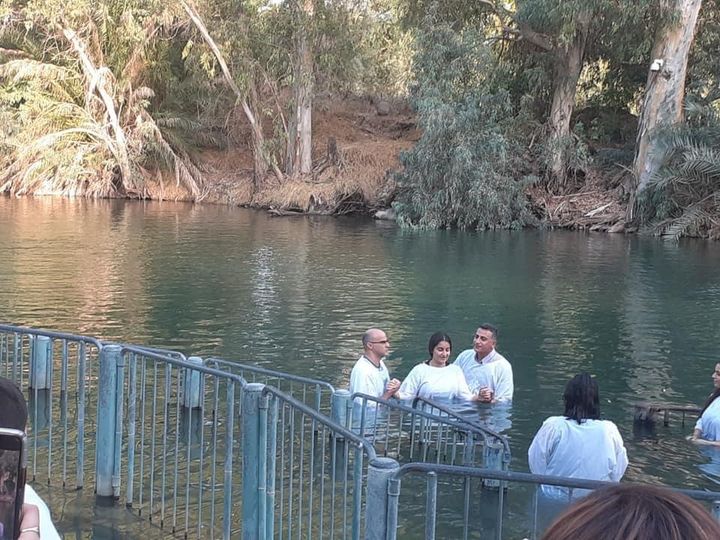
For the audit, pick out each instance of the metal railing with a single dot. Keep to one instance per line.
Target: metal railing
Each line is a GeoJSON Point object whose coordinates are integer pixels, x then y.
{"type": "Point", "coordinates": [408, 433]}
{"type": "Point", "coordinates": [57, 371]}
{"type": "Point", "coordinates": [308, 470]}
{"type": "Point", "coordinates": [445, 496]}
{"type": "Point", "coordinates": [314, 392]}
{"type": "Point", "coordinates": [196, 450]}
{"type": "Point", "coordinates": [199, 450]}
{"type": "Point", "coordinates": [177, 443]}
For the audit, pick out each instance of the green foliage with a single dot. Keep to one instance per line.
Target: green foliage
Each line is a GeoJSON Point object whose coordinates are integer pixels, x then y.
{"type": "Point", "coordinates": [703, 80]}
{"type": "Point", "coordinates": [81, 116]}
{"type": "Point", "coordinates": [462, 173]}
{"type": "Point", "coordinates": [683, 198]}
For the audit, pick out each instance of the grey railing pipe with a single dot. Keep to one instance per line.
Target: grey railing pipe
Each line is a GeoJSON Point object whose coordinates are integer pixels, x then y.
{"type": "Point", "coordinates": [377, 522]}
{"type": "Point", "coordinates": [192, 384]}
{"type": "Point", "coordinates": [40, 362]}
{"type": "Point", "coordinates": [107, 403]}
{"type": "Point", "coordinates": [339, 407]}
{"type": "Point", "coordinates": [252, 454]}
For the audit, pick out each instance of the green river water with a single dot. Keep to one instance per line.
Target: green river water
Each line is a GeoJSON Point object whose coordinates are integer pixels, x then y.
{"type": "Point", "coordinates": [296, 293]}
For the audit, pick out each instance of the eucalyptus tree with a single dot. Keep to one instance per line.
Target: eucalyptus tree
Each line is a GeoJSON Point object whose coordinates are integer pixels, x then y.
{"type": "Point", "coordinates": [550, 42]}
{"type": "Point", "coordinates": [665, 87]}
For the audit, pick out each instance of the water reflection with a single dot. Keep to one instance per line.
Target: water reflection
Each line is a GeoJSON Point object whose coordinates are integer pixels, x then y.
{"type": "Point", "coordinates": [296, 294]}
{"type": "Point", "coordinates": [712, 468]}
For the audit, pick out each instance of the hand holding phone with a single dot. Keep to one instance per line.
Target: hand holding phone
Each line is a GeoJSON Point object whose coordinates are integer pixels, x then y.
{"type": "Point", "coordinates": [13, 468]}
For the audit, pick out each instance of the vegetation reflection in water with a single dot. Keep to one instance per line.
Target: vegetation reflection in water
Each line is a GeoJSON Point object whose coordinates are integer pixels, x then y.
{"type": "Point", "coordinates": [295, 294]}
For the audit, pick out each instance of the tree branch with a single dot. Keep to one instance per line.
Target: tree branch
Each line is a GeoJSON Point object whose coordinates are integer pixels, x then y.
{"type": "Point", "coordinates": [255, 126]}
{"type": "Point", "coordinates": [97, 80]}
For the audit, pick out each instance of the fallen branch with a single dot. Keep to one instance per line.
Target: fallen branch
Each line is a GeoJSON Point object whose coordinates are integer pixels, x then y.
{"type": "Point", "coordinates": [599, 209]}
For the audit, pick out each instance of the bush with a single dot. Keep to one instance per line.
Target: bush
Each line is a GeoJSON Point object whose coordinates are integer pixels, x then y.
{"type": "Point", "coordinates": [462, 172]}
{"type": "Point", "coordinates": [683, 197]}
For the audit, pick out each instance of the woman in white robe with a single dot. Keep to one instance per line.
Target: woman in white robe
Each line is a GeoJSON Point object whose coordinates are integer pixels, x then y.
{"type": "Point", "coordinates": [435, 378]}
{"type": "Point", "coordinates": [578, 444]}
{"type": "Point", "coordinates": [707, 428]}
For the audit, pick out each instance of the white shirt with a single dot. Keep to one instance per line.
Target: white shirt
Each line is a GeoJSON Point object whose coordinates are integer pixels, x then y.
{"type": "Point", "coordinates": [493, 372]}
{"type": "Point", "coordinates": [47, 529]}
{"type": "Point", "coordinates": [593, 450]}
{"type": "Point", "coordinates": [366, 378]}
{"type": "Point", "coordinates": [709, 422]}
{"type": "Point", "coordinates": [433, 382]}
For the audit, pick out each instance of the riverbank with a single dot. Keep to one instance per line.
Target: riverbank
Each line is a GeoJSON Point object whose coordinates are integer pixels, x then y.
{"type": "Point", "coordinates": [357, 144]}
{"type": "Point", "coordinates": [356, 147]}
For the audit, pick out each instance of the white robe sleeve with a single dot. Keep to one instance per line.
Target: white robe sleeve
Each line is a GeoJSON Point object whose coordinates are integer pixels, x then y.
{"type": "Point", "coordinates": [541, 448]}
{"type": "Point", "coordinates": [505, 387]}
{"type": "Point", "coordinates": [47, 528]}
{"type": "Point", "coordinates": [463, 388]}
{"type": "Point", "coordinates": [621, 459]}
{"type": "Point", "coordinates": [411, 384]}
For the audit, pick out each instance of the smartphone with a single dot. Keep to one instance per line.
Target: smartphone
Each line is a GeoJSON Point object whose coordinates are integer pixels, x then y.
{"type": "Point", "coordinates": [13, 470]}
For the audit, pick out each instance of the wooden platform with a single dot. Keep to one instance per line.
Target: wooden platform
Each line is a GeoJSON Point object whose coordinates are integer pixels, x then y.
{"type": "Point", "coordinates": [647, 412]}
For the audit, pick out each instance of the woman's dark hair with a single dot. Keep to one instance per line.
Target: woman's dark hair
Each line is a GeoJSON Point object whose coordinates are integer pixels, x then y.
{"type": "Point", "coordinates": [436, 338]}
{"type": "Point", "coordinates": [710, 399]}
{"type": "Point", "coordinates": [634, 512]}
{"type": "Point", "coordinates": [582, 398]}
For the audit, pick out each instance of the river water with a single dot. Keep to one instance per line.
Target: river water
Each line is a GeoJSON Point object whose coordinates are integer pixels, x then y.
{"type": "Point", "coordinates": [296, 293]}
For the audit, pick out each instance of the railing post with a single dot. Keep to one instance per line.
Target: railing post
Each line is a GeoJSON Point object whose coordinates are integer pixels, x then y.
{"type": "Point", "coordinates": [40, 360]}
{"type": "Point", "coordinates": [493, 460]}
{"type": "Point", "coordinates": [251, 455]}
{"type": "Point", "coordinates": [339, 407]}
{"type": "Point", "coordinates": [380, 473]}
{"type": "Point", "coordinates": [107, 407]}
{"type": "Point", "coordinates": [192, 390]}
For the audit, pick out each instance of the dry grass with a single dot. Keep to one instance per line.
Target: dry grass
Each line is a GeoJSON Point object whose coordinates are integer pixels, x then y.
{"type": "Point", "coordinates": [593, 207]}
{"type": "Point", "coordinates": [355, 177]}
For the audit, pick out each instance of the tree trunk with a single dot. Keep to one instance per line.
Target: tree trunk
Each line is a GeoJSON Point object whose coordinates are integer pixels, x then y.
{"type": "Point", "coordinates": [568, 66]}
{"type": "Point", "coordinates": [301, 145]}
{"type": "Point", "coordinates": [261, 162]}
{"type": "Point", "coordinates": [97, 80]}
{"type": "Point", "coordinates": [665, 89]}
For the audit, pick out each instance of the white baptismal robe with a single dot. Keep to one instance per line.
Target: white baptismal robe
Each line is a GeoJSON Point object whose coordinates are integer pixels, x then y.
{"type": "Point", "coordinates": [591, 450]}
{"type": "Point", "coordinates": [709, 422]}
{"type": "Point", "coordinates": [433, 382]}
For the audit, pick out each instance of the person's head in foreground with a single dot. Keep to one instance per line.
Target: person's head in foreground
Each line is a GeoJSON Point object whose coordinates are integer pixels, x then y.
{"type": "Point", "coordinates": [13, 407]}
{"type": "Point", "coordinates": [634, 512]}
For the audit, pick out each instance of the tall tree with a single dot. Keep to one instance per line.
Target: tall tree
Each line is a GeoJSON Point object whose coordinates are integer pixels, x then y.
{"type": "Point", "coordinates": [300, 137]}
{"type": "Point", "coordinates": [665, 88]}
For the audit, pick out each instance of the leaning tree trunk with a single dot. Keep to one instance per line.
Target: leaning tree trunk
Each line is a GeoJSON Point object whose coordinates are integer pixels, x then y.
{"type": "Point", "coordinates": [98, 82]}
{"type": "Point", "coordinates": [261, 162]}
{"type": "Point", "coordinates": [300, 148]}
{"type": "Point", "coordinates": [665, 89]}
{"type": "Point", "coordinates": [568, 66]}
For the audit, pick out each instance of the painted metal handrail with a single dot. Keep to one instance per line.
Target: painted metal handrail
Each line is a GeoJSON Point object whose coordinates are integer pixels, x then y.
{"type": "Point", "coordinates": [446, 411]}
{"type": "Point", "coordinates": [320, 391]}
{"type": "Point", "coordinates": [175, 424]}
{"type": "Point", "coordinates": [325, 452]}
{"type": "Point", "coordinates": [31, 357]}
{"type": "Point", "coordinates": [434, 471]}
{"type": "Point", "coordinates": [448, 438]}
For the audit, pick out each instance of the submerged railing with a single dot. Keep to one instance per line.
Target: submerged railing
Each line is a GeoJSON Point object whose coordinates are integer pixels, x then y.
{"type": "Point", "coordinates": [187, 444]}
{"type": "Point", "coordinates": [199, 450]}
{"type": "Point", "coordinates": [413, 433]}
{"type": "Point", "coordinates": [314, 392]}
{"type": "Point", "coordinates": [445, 496]}
{"type": "Point", "coordinates": [58, 373]}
